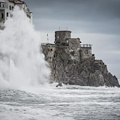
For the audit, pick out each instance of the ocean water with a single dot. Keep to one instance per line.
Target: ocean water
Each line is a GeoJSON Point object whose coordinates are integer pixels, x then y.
{"type": "Point", "coordinates": [65, 103]}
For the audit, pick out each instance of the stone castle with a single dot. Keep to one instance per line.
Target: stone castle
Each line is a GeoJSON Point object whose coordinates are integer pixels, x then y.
{"type": "Point", "coordinates": [72, 46]}
{"type": "Point", "coordinates": [73, 63]}
{"type": "Point", "coordinates": [7, 6]}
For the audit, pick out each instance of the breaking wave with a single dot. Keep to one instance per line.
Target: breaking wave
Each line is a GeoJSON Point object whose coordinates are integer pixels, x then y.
{"type": "Point", "coordinates": [22, 63]}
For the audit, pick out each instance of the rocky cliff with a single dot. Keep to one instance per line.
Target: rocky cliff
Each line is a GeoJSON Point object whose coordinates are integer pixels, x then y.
{"type": "Point", "coordinates": [87, 72]}
{"type": "Point", "coordinates": [73, 63]}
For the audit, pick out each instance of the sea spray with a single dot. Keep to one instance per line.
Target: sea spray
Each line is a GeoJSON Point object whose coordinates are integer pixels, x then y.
{"type": "Point", "coordinates": [22, 63]}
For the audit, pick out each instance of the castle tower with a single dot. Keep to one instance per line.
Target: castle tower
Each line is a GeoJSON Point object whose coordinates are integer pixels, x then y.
{"type": "Point", "coordinates": [61, 37]}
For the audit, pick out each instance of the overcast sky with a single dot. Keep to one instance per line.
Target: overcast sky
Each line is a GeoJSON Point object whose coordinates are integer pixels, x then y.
{"type": "Point", "coordinates": [94, 21]}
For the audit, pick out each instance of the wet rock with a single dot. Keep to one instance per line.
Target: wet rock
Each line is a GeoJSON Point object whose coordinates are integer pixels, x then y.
{"type": "Point", "coordinates": [59, 85]}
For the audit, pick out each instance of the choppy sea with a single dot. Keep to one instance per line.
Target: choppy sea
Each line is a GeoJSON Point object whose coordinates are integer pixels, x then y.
{"type": "Point", "coordinates": [64, 103]}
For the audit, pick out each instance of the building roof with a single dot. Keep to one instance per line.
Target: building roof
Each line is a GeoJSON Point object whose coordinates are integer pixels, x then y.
{"type": "Point", "coordinates": [16, 1]}
{"type": "Point", "coordinates": [63, 31]}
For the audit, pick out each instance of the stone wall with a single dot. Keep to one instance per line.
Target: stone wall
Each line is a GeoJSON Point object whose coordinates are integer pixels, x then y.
{"type": "Point", "coordinates": [49, 50]}
{"type": "Point", "coordinates": [74, 48]}
{"type": "Point", "coordinates": [86, 52]}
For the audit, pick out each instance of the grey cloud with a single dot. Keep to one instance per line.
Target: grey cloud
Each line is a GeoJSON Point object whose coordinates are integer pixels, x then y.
{"type": "Point", "coordinates": [108, 27]}
{"type": "Point", "coordinates": [88, 8]}
{"type": "Point", "coordinates": [101, 16]}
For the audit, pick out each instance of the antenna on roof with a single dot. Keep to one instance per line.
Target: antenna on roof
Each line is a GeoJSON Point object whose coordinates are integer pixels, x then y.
{"type": "Point", "coordinates": [47, 38]}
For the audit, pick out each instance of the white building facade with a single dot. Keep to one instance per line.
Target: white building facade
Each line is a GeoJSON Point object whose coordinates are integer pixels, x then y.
{"type": "Point", "coordinates": [7, 6]}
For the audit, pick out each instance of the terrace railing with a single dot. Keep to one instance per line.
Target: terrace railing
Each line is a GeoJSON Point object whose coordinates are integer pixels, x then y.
{"type": "Point", "coordinates": [86, 45]}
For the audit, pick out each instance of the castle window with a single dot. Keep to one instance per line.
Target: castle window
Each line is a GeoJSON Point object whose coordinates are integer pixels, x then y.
{"type": "Point", "coordinates": [11, 15]}
{"type": "Point", "coordinates": [7, 14]}
{"type": "Point", "coordinates": [86, 51]}
{"type": "Point", "coordinates": [2, 16]}
{"type": "Point", "coordinates": [0, 4]}
{"type": "Point", "coordinates": [10, 7]}
{"type": "Point", "coordinates": [3, 6]}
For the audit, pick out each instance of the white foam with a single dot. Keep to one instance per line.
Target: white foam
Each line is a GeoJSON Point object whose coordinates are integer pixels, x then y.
{"type": "Point", "coordinates": [23, 63]}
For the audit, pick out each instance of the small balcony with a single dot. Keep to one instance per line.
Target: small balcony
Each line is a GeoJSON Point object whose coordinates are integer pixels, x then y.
{"type": "Point", "coordinates": [86, 45]}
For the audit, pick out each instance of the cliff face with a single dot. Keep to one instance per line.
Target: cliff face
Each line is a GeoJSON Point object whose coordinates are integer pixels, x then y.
{"type": "Point", "coordinates": [87, 72]}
